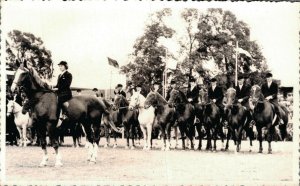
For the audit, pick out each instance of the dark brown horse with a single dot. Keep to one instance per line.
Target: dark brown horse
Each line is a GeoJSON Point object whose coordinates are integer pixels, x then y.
{"type": "Point", "coordinates": [238, 118]}
{"type": "Point", "coordinates": [122, 115]}
{"type": "Point", "coordinates": [165, 116]}
{"type": "Point", "coordinates": [185, 114]}
{"type": "Point", "coordinates": [211, 119]}
{"type": "Point", "coordinates": [84, 109]}
{"type": "Point", "coordinates": [264, 116]}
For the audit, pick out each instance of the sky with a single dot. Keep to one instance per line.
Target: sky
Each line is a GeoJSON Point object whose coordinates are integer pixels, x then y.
{"type": "Point", "coordinates": [85, 33]}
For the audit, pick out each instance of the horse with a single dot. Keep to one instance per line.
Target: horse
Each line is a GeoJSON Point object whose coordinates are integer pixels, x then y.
{"type": "Point", "coordinates": [146, 117]}
{"type": "Point", "coordinates": [85, 109]}
{"type": "Point", "coordinates": [22, 121]}
{"type": "Point", "coordinates": [211, 119]}
{"type": "Point", "coordinates": [116, 114]}
{"type": "Point", "coordinates": [185, 113]}
{"type": "Point", "coordinates": [265, 117]}
{"type": "Point", "coordinates": [128, 117]}
{"type": "Point", "coordinates": [165, 117]}
{"type": "Point", "coordinates": [238, 118]}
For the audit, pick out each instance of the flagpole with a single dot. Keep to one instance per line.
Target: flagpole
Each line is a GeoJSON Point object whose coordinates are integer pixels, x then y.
{"type": "Point", "coordinates": [236, 63]}
{"type": "Point", "coordinates": [165, 77]}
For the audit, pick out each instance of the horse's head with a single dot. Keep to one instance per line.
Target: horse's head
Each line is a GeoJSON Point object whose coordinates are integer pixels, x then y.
{"type": "Point", "coordinates": [229, 98]}
{"type": "Point", "coordinates": [137, 100]}
{"type": "Point", "coordinates": [203, 97]}
{"type": "Point", "coordinates": [20, 79]}
{"type": "Point", "coordinates": [119, 101]}
{"type": "Point", "coordinates": [13, 107]}
{"type": "Point", "coordinates": [255, 94]}
{"type": "Point", "coordinates": [151, 100]}
{"type": "Point", "coordinates": [176, 97]}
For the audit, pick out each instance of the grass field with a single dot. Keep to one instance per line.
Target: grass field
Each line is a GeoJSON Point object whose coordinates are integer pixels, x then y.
{"type": "Point", "coordinates": [137, 165]}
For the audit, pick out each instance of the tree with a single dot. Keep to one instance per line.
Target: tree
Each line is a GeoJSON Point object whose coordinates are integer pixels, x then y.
{"type": "Point", "coordinates": [23, 46]}
{"type": "Point", "coordinates": [188, 42]}
{"type": "Point", "coordinates": [219, 31]}
{"type": "Point", "coordinates": [147, 58]}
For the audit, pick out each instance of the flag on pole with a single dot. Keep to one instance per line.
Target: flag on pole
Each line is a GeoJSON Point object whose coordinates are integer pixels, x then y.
{"type": "Point", "coordinates": [242, 51]}
{"type": "Point", "coordinates": [113, 62]}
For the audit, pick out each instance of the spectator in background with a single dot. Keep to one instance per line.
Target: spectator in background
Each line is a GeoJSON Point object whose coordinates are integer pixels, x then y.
{"type": "Point", "coordinates": [95, 90]}
{"type": "Point", "coordinates": [78, 92]}
{"type": "Point", "coordinates": [118, 90]}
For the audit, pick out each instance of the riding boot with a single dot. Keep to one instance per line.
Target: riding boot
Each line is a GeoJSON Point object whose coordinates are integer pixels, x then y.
{"type": "Point", "coordinates": [277, 112]}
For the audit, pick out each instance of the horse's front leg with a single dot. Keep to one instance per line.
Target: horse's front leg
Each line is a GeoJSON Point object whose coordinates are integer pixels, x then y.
{"type": "Point", "coordinates": [127, 133]}
{"type": "Point", "coordinates": [163, 136]}
{"type": "Point", "coordinates": [198, 127]}
{"type": "Point", "coordinates": [176, 137]}
{"type": "Point", "coordinates": [20, 141]}
{"type": "Point", "coordinates": [41, 133]}
{"type": "Point", "coordinates": [24, 135]}
{"type": "Point", "coordinates": [149, 136]}
{"type": "Point", "coordinates": [182, 132]}
{"type": "Point", "coordinates": [107, 137]}
{"type": "Point", "coordinates": [271, 131]}
{"type": "Point", "coordinates": [144, 131]}
{"type": "Point", "coordinates": [168, 129]}
{"type": "Point", "coordinates": [115, 139]}
{"type": "Point", "coordinates": [259, 133]}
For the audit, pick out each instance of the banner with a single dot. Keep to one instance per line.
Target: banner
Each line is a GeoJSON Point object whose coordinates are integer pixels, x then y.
{"type": "Point", "coordinates": [113, 62]}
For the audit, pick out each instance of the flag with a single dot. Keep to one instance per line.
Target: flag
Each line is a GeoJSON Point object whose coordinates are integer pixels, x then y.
{"type": "Point", "coordinates": [171, 64]}
{"type": "Point", "coordinates": [245, 52]}
{"type": "Point", "coordinates": [113, 62]}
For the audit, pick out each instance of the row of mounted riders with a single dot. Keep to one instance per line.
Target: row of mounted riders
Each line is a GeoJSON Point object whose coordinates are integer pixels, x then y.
{"type": "Point", "coordinates": [234, 121]}
{"type": "Point", "coordinates": [147, 112]}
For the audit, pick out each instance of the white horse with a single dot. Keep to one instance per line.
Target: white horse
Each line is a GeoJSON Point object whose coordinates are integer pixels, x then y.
{"type": "Point", "coordinates": [146, 117]}
{"type": "Point", "coordinates": [23, 121]}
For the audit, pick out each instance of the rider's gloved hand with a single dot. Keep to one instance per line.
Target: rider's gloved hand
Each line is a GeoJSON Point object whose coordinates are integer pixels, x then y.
{"type": "Point", "coordinates": [190, 100]}
{"type": "Point", "coordinates": [269, 97]}
{"type": "Point", "coordinates": [240, 100]}
{"type": "Point", "coordinates": [214, 100]}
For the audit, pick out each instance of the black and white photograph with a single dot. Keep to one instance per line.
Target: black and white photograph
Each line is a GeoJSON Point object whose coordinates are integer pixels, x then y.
{"type": "Point", "coordinates": [149, 93]}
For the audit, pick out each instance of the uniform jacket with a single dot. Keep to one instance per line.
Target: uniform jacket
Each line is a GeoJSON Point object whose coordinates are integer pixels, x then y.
{"type": "Point", "coordinates": [270, 91]}
{"type": "Point", "coordinates": [216, 94]}
{"type": "Point", "coordinates": [120, 92]}
{"type": "Point", "coordinates": [63, 84]}
{"type": "Point", "coordinates": [194, 94]}
{"type": "Point", "coordinates": [243, 93]}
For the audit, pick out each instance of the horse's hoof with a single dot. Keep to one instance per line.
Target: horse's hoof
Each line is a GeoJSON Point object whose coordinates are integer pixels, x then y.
{"type": "Point", "coordinates": [260, 151]}
{"type": "Point", "coordinates": [132, 147]}
{"type": "Point", "coordinates": [105, 146]}
{"type": "Point", "coordinates": [115, 146]}
{"type": "Point", "coordinates": [92, 162]}
{"type": "Point", "coordinates": [59, 164]}
{"type": "Point", "coordinates": [269, 151]}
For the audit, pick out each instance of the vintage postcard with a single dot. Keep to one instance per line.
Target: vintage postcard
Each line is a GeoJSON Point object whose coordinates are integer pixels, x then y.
{"type": "Point", "coordinates": [149, 93]}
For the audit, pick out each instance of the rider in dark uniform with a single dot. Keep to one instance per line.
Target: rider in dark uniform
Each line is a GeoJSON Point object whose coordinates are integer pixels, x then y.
{"type": "Point", "coordinates": [119, 90]}
{"type": "Point", "coordinates": [193, 92]}
{"type": "Point", "coordinates": [173, 86]}
{"type": "Point", "coordinates": [270, 91]}
{"type": "Point", "coordinates": [242, 92]}
{"type": "Point", "coordinates": [63, 85]}
{"type": "Point", "coordinates": [156, 87]}
{"type": "Point", "coordinates": [215, 94]}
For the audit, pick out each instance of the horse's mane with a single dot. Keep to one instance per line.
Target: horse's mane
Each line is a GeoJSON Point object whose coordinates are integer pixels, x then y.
{"type": "Point", "coordinates": [231, 89]}
{"type": "Point", "coordinates": [160, 99]}
{"type": "Point", "coordinates": [183, 96]}
{"type": "Point", "coordinates": [38, 80]}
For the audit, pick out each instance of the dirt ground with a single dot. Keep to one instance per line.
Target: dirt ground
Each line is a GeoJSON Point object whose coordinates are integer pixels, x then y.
{"type": "Point", "coordinates": [137, 165]}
